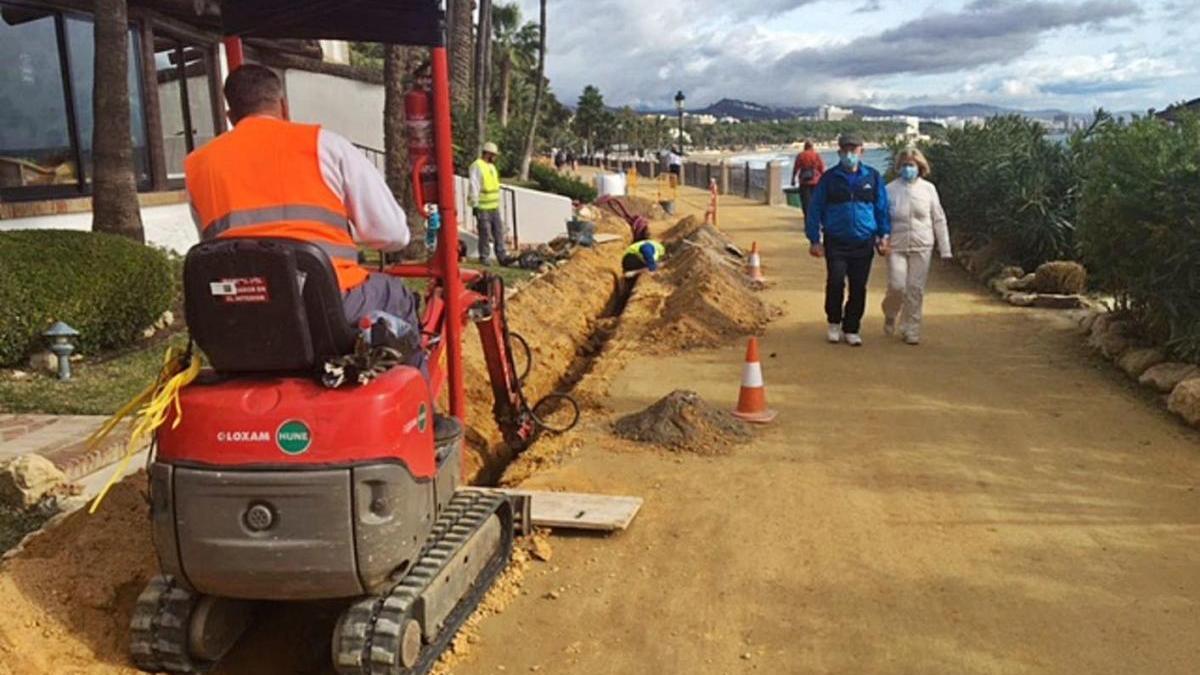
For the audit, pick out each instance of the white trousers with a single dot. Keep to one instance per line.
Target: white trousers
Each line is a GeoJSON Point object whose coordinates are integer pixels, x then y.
{"type": "Point", "coordinates": [907, 274]}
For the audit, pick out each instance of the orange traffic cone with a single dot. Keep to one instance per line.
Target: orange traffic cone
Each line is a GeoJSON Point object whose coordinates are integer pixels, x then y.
{"type": "Point", "coordinates": [754, 266]}
{"type": "Point", "coordinates": [752, 400]}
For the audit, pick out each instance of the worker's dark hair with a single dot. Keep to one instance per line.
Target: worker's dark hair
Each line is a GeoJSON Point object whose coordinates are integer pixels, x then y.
{"type": "Point", "coordinates": [808, 145]}
{"type": "Point", "coordinates": [250, 89]}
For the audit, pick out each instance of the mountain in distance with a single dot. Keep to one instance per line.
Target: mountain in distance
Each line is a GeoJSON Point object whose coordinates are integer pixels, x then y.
{"type": "Point", "coordinates": [748, 111]}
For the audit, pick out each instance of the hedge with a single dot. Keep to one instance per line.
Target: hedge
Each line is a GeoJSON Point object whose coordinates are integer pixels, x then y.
{"type": "Point", "coordinates": [552, 181]}
{"type": "Point", "coordinates": [1139, 225]}
{"type": "Point", "coordinates": [109, 288]}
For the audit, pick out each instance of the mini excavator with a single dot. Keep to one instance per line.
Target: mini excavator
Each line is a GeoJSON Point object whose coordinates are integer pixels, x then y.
{"type": "Point", "coordinates": [267, 484]}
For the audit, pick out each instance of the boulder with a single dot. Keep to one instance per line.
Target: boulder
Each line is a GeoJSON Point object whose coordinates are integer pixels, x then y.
{"type": "Point", "coordinates": [1021, 299]}
{"type": "Point", "coordinates": [1062, 277]}
{"type": "Point", "coordinates": [167, 318]}
{"type": "Point", "coordinates": [43, 362]}
{"type": "Point", "coordinates": [1164, 377]}
{"type": "Point", "coordinates": [25, 480]}
{"type": "Point", "coordinates": [1137, 361]}
{"type": "Point", "coordinates": [1011, 272]}
{"type": "Point", "coordinates": [1024, 283]}
{"type": "Point", "coordinates": [1111, 337]}
{"type": "Point", "coordinates": [1185, 401]}
{"type": "Point", "coordinates": [1058, 301]}
{"type": "Point", "coordinates": [1086, 321]}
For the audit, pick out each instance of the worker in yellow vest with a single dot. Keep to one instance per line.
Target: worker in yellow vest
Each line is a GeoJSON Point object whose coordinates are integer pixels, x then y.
{"type": "Point", "coordinates": [644, 253]}
{"type": "Point", "coordinates": [485, 201]}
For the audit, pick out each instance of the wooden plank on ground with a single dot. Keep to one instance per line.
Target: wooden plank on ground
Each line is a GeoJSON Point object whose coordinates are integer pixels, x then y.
{"type": "Point", "coordinates": [579, 511]}
{"type": "Point", "coordinates": [605, 237]}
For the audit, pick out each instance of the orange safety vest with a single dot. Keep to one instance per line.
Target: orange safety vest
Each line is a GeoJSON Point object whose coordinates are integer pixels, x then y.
{"type": "Point", "coordinates": [263, 179]}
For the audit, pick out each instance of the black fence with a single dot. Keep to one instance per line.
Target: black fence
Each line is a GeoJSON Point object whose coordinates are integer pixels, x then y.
{"type": "Point", "coordinates": [742, 180]}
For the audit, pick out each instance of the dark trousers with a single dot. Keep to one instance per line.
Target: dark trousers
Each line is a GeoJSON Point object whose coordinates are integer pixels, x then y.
{"type": "Point", "coordinates": [847, 260]}
{"type": "Point", "coordinates": [632, 262]}
{"type": "Point", "coordinates": [806, 197]}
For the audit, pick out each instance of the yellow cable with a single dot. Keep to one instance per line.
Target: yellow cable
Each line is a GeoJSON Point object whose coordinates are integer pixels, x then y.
{"type": "Point", "coordinates": [155, 401]}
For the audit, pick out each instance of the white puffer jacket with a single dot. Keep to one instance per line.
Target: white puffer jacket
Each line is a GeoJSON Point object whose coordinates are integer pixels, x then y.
{"type": "Point", "coordinates": [918, 220]}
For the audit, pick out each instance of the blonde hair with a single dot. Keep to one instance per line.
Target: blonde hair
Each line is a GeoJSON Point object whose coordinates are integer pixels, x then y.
{"type": "Point", "coordinates": [914, 156]}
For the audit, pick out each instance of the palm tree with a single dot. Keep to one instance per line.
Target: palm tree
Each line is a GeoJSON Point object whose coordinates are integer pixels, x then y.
{"type": "Point", "coordinates": [515, 48]}
{"type": "Point", "coordinates": [483, 60]}
{"type": "Point", "coordinates": [115, 207]}
{"type": "Point", "coordinates": [462, 35]}
{"type": "Point", "coordinates": [527, 156]}
{"type": "Point", "coordinates": [395, 147]}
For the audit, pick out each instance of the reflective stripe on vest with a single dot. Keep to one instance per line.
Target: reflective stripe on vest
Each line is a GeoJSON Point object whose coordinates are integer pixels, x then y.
{"type": "Point", "coordinates": [264, 179]}
{"type": "Point", "coordinates": [489, 188]}
{"type": "Point", "coordinates": [636, 248]}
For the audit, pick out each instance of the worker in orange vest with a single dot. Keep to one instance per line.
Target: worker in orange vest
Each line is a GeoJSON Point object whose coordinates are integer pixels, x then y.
{"type": "Point", "coordinates": [269, 177]}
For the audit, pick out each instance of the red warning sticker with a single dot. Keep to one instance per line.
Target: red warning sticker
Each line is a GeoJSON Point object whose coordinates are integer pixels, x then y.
{"type": "Point", "coordinates": [243, 289]}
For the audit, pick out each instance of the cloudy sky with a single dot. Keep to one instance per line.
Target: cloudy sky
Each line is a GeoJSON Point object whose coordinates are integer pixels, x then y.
{"type": "Point", "coordinates": [1070, 54]}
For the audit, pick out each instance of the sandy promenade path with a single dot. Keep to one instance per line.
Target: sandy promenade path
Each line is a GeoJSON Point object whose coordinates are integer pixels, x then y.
{"type": "Point", "coordinates": [993, 501]}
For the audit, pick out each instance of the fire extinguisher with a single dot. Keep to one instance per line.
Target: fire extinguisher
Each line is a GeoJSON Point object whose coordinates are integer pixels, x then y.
{"type": "Point", "coordinates": [418, 124]}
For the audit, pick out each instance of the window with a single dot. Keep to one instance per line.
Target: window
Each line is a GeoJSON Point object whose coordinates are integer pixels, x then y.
{"type": "Point", "coordinates": [46, 124]}
{"type": "Point", "coordinates": [185, 99]}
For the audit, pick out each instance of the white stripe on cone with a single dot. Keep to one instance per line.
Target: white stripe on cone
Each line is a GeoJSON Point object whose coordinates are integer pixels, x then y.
{"type": "Point", "coordinates": [754, 260]}
{"type": "Point", "coordinates": [752, 375]}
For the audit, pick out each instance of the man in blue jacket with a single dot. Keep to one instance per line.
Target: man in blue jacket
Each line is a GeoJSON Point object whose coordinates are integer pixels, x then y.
{"type": "Point", "coordinates": [850, 210]}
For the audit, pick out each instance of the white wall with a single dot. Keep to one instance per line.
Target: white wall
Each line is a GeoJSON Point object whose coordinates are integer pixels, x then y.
{"type": "Point", "coordinates": [351, 108]}
{"type": "Point", "coordinates": [540, 216]}
{"type": "Point", "coordinates": [167, 226]}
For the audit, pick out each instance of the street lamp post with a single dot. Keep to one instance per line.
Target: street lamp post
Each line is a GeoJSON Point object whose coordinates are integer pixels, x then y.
{"type": "Point", "coordinates": [679, 98]}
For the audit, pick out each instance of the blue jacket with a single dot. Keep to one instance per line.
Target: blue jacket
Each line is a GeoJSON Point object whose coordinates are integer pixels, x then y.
{"type": "Point", "coordinates": [848, 206]}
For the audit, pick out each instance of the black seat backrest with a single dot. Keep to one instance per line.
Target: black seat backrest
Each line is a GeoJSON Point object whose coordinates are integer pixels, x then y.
{"type": "Point", "coordinates": [264, 305]}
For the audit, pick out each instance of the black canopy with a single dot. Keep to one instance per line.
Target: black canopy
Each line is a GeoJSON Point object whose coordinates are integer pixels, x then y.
{"type": "Point", "coordinates": [403, 22]}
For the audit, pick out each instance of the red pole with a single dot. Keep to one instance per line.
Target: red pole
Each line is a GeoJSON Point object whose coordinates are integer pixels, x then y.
{"type": "Point", "coordinates": [447, 250]}
{"type": "Point", "coordinates": [233, 53]}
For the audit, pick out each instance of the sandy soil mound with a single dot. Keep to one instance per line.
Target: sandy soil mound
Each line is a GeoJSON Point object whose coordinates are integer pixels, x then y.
{"type": "Point", "coordinates": [639, 206]}
{"type": "Point", "coordinates": [712, 302]}
{"type": "Point", "coordinates": [68, 596]}
{"type": "Point", "coordinates": [683, 421]}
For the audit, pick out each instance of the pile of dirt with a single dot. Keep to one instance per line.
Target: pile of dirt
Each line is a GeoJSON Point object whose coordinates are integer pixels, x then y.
{"type": "Point", "coordinates": [68, 595]}
{"type": "Point", "coordinates": [712, 302]}
{"type": "Point", "coordinates": [639, 206]}
{"type": "Point", "coordinates": [683, 421]}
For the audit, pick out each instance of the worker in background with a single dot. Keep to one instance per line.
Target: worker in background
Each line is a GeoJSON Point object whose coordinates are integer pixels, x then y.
{"type": "Point", "coordinates": [675, 163]}
{"type": "Point", "coordinates": [484, 197]}
{"type": "Point", "coordinates": [847, 224]}
{"type": "Point", "coordinates": [269, 177]}
{"type": "Point", "coordinates": [644, 253]}
{"type": "Point", "coordinates": [806, 173]}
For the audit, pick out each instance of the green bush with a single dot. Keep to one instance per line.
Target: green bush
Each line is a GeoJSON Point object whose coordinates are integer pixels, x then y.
{"type": "Point", "coordinates": [552, 181]}
{"type": "Point", "coordinates": [109, 288]}
{"type": "Point", "coordinates": [1139, 225]}
{"type": "Point", "coordinates": [1006, 186]}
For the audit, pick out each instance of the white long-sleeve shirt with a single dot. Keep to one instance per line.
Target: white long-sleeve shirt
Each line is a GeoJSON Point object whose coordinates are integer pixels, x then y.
{"type": "Point", "coordinates": [376, 220]}
{"type": "Point", "coordinates": [918, 221]}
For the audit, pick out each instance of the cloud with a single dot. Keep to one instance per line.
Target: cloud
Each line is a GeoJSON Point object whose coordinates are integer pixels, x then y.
{"type": "Point", "coordinates": [869, 6]}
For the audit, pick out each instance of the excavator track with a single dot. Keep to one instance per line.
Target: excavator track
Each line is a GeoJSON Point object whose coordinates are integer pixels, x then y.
{"type": "Point", "coordinates": [159, 627]}
{"type": "Point", "coordinates": [389, 634]}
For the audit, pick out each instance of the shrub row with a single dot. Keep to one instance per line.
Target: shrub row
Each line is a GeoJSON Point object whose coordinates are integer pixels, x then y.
{"type": "Point", "coordinates": [1123, 198]}
{"type": "Point", "coordinates": [552, 181]}
{"type": "Point", "coordinates": [109, 288]}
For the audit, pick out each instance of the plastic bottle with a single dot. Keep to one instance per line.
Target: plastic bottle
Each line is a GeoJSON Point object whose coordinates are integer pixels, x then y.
{"type": "Point", "coordinates": [433, 223]}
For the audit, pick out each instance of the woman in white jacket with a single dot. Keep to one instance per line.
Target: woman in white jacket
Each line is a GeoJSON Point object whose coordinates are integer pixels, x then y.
{"type": "Point", "coordinates": [918, 221]}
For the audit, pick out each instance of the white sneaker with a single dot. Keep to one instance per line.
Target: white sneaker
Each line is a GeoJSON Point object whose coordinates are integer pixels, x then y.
{"type": "Point", "coordinates": [889, 327]}
{"type": "Point", "coordinates": [912, 339]}
{"type": "Point", "coordinates": [834, 333]}
{"type": "Point", "coordinates": [854, 339]}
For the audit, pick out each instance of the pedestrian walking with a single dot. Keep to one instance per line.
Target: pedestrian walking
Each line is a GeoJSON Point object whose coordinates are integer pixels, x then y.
{"type": "Point", "coordinates": [847, 224]}
{"type": "Point", "coordinates": [918, 223]}
{"type": "Point", "coordinates": [675, 163]}
{"type": "Point", "coordinates": [484, 196]}
{"type": "Point", "coordinates": [806, 173]}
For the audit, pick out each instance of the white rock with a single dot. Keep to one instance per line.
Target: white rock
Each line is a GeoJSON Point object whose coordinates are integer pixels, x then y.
{"type": "Point", "coordinates": [148, 332]}
{"type": "Point", "coordinates": [1166, 376]}
{"type": "Point", "coordinates": [1137, 361]}
{"type": "Point", "coordinates": [1185, 401]}
{"type": "Point", "coordinates": [167, 318]}
{"type": "Point", "coordinates": [1021, 299]}
{"type": "Point", "coordinates": [26, 479]}
{"type": "Point", "coordinates": [43, 362]}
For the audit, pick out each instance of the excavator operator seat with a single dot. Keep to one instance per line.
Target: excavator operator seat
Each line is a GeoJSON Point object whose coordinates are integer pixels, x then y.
{"type": "Point", "coordinates": [263, 305]}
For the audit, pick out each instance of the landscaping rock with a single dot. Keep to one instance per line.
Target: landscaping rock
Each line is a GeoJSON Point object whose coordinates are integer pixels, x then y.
{"type": "Point", "coordinates": [1111, 337]}
{"type": "Point", "coordinates": [1062, 277]}
{"type": "Point", "coordinates": [43, 362]}
{"type": "Point", "coordinates": [1166, 376]}
{"type": "Point", "coordinates": [1021, 299]}
{"type": "Point", "coordinates": [167, 318]}
{"type": "Point", "coordinates": [1086, 321]}
{"type": "Point", "coordinates": [25, 480]}
{"type": "Point", "coordinates": [1024, 283]}
{"type": "Point", "coordinates": [1138, 361]}
{"type": "Point", "coordinates": [1185, 401]}
{"type": "Point", "coordinates": [1011, 272]}
{"type": "Point", "coordinates": [1057, 301]}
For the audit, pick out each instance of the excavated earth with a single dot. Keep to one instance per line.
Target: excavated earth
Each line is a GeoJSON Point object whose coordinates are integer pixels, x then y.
{"type": "Point", "coordinates": [68, 592]}
{"type": "Point", "coordinates": [685, 422]}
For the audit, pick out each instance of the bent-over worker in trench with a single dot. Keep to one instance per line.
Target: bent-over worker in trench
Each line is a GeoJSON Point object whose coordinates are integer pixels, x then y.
{"type": "Point", "coordinates": [644, 253]}
{"type": "Point", "coordinates": [270, 177]}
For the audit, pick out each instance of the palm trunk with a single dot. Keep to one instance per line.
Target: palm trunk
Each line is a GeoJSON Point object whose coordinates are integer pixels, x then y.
{"type": "Point", "coordinates": [115, 207]}
{"type": "Point", "coordinates": [505, 87]}
{"type": "Point", "coordinates": [531, 137]}
{"type": "Point", "coordinates": [483, 60]}
{"type": "Point", "coordinates": [462, 27]}
{"type": "Point", "coordinates": [396, 63]}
